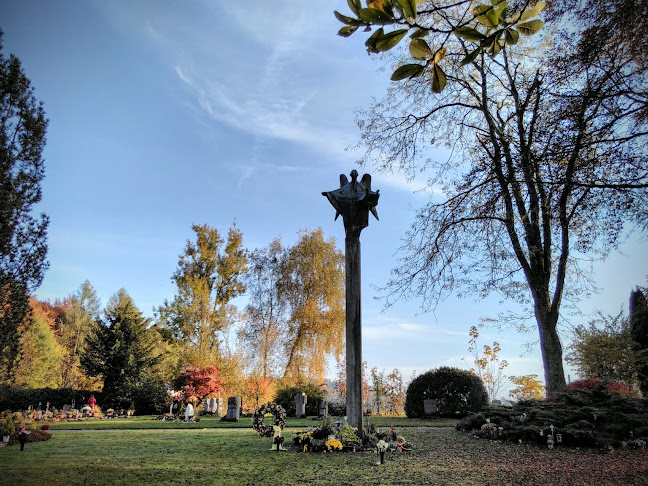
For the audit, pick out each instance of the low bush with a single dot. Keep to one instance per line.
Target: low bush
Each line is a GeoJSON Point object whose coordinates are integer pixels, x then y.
{"type": "Point", "coordinates": [591, 414]}
{"type": "Point", "coordinates": [337, 409]}
{"type": "Point", "coordinates": [32, 436]}
{"type": "Point", "coordinates": [16, 398]}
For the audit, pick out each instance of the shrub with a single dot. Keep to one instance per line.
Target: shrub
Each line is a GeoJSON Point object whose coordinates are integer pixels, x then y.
{"type": "Point", "coordinates": [8, 427]}
{"type": "Point", "coordinates": [337, 409]}
{"type": "Point", "coordinates": [16, 398]}
{"type": "Point", "coordinates": [286, 397]}
{"type": "Point", "coordinates": [457, 392]}
{"type": "Point", "coordinates": [591, 416]}
{"type": "Point", "coordinates": [149, 397]}
{"type": "Point", "coordinates": [596, 385]}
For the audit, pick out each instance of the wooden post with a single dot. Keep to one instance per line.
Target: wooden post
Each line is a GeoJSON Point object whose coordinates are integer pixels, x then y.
{"type": "Point", "coordinates": [353, 333]}
{"type": "Point", "coordinates": [354, 200]}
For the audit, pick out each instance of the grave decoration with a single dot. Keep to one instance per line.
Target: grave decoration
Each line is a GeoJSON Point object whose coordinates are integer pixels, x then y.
{"type": "Point", "coordinates": [277, 439]}
{"type": "Point", "coordinates": [327, 438]}
{"type": "Point", "coordinates": [258, 420]}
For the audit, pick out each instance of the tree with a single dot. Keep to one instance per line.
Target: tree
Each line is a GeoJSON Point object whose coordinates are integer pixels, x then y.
{"type": "Point", "coordinates": [258, 389]}
{"type": "Point", "coordinates": [120, 349]}
{"type": "Point", "coordinates": [340, 382]}
{"type": "Point", "coordinates": [639, 333]}
{"type": "Point", "coordinates": [208, 277]}
{"type": "Point", "coordinates": [198, 383]}
{"type": "Point", "coordinates": [81, 310]}
{"type": "Point", "coordinates": [23, 237]}
{"type": "Point", "coordinates": [312, 284]}
{"type": "Point", "coordinates": [527, 387]}
{"type": "Point", "coordinates": [605, 349]}
{"type": "Point", "coordinates": [378, 387]}
{"type": "Point", "coordinates": [395, 392]}
{"type": "Point", "coordinates": [548, 155]}
{"type": "Point", "coordinates": [265, 317]}
{"type": "Point", "coordinates": [41, 356]}
{"type": "Point", "coordinates": [487, 365]}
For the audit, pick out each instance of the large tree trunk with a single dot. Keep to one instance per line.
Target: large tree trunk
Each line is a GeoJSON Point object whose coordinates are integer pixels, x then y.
{"type": "Point", "coordinates": [551, 348]}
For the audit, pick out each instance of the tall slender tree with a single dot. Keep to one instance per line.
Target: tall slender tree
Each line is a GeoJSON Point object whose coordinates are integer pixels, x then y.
{"type": "Point", "coordinates": [265, 316]}
{"type": "Point", "coordinates": [81, 311]}
{"type": "Point", "coordinates": [23, 237]}
{"type": "Point", "coordinates": [209, 275]}
{"type": "Point", "coordinates": [312, 283]}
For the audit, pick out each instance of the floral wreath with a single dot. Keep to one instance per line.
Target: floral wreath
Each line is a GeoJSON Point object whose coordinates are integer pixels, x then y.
{"type": "Point", "coordinates": [279, 419]}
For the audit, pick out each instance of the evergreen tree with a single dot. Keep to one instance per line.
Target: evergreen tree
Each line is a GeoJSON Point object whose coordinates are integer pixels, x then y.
{"type": "Point", "coordinates": [22, 236]}
{"type": "Point", "coordinates": [120, 349]}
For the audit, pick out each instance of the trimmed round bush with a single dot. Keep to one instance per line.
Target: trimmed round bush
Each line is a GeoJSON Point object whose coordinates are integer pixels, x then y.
{"type": "Point", "coordinates": [457, 392]}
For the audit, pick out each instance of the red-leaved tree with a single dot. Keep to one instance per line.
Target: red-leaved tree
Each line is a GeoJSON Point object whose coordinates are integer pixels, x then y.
{"type": "Point", "coordinates": [197, 383]}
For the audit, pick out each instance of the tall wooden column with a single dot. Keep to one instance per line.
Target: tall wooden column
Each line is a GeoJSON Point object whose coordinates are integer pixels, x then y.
{"type": "Point", "coordinates": [354, 200]}
{"type": "Point", "coordinates": [353, 332]}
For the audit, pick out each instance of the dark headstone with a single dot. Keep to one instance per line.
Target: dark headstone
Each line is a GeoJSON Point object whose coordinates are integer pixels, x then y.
{"type": "Point", "coordinates": [430, 406]}
{"type": "Point", "coordinates": [233, 408]}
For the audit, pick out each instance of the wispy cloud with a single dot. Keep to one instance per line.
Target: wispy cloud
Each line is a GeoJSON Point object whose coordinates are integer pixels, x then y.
{"type": "Point", "coordinates": [392, 328]}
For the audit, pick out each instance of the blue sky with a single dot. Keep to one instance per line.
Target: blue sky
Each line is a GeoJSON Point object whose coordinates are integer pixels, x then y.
{"type": "Point", "coordinates": [163, 114]}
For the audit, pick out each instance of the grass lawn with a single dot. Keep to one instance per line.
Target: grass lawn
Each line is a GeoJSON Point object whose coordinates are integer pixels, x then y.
{"type": "Point", "coordinates": [147, 422]}
{"type": "Point", "coordinates": [239, 457]}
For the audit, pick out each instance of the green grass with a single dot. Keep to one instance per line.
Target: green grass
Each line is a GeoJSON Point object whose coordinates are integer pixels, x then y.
{"type": "Point", "coordinates": [148, 422]}
{"type": "Point", "coordinates": [239, 457]}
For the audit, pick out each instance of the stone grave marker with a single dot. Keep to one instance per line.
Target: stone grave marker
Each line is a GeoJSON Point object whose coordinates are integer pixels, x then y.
{"type": "Point", "coordinates": [233, 408]}
{"type": "Point", "coordinates": [323, 408]}
{"type": "Point", "coordinates": [300, 404]}
{"type": "Point", "coordinates": [430, 406]}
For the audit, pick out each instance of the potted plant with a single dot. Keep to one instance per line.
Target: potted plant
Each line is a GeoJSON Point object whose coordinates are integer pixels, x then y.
{"type": "Point", "coordinates": [8, 429]}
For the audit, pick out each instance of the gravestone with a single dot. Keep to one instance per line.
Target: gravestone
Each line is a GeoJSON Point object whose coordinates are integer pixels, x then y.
{"type": "Point", "coordinates": [219, 408]}
{"type": "Point", "coordinates": [300, 404]}
{"type": "Point", "coordinates": [430, 406]}
{"type": "Point", "coordinates": [323, 408]}
{"type": "Point", "coordinates": [208, 405]}
{"type": "Point", "coordinates": [233, 408]}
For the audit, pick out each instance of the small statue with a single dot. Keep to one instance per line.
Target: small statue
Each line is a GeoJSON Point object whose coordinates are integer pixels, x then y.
{"type": "Point", "coordinates": [354, 201]}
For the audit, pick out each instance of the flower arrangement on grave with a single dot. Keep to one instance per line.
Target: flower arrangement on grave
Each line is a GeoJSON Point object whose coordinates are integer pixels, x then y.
{"type": "Point", "coordinates": [349, 436]}
{"type": "Point", "coordinates": [303, 439]}
{"type": "Point", "coordinates": [333, 445]}
{"type": "Point", "coordinates": [395, 442]}
{"type": "Point", "coordinates": [277, 411]}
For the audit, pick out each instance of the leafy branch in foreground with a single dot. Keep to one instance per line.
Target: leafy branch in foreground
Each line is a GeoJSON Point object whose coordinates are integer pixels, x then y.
{"type": "Point", "coordinates": [480, 28]}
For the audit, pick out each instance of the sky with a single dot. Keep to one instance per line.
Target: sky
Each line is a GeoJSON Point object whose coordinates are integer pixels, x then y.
{"type": "Point", "coordinates": [163, 114]}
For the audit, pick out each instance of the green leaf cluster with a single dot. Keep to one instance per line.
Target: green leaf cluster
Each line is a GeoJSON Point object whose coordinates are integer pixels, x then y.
{"type": "Point", "coordinates": [499, 28]}
{"type": "Point", "coordinates": [492, 27]}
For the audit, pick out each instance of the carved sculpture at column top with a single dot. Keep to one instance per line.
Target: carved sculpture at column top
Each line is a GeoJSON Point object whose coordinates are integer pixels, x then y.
{"type": "Point", "coordinates": [354, 200]}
